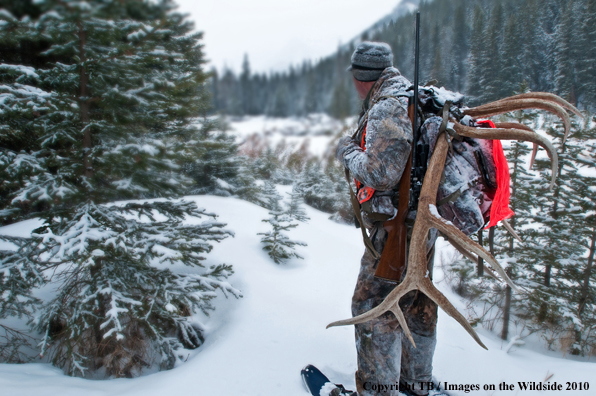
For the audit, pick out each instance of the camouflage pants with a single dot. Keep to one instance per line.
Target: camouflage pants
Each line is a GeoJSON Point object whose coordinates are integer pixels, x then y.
{"type": "Point", "coordinates": [386, 357]}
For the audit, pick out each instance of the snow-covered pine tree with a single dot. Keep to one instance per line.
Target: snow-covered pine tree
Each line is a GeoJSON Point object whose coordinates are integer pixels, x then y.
{"type": "Point", "coordinates": [555, 249]}
{"type": "Point", "coordinates": [295, 209]}
{"type": "Point", "coordinates": [245, 184]}
{"type": "Point", "coordinates": [278, 245]}
{"type": "Point", "coordinates": [581, 279]}
{"type": "Point", "coordinates": [105, 111]}
{"type": "Point", "coordinates": [271, 197]}
{"type": "Point", "coordinates": [215, 165]}
{"type": "Point", "coordinates": [119, 307]}
{"type": "Point", "coordinates": [316, 187]}
{"type": "Point", "coordinates": [343, 211]}
{"type": "Point", "coordinates": [21, 102]}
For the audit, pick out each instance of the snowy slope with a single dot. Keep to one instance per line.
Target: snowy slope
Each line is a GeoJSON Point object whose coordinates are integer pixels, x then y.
{"type": "Point", "coordinates": [318, 129]}
{"type": "Point", "coordinates": [258, 344]}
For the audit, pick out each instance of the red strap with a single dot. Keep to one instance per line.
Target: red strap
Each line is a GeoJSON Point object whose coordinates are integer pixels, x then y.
{"type": "Point", "coordinates": [500, 206]}
{"type": "Point", "coordinates": [364, 192]}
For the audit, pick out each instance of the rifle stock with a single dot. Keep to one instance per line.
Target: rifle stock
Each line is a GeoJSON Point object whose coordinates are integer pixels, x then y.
{"type": "Point", "coordinates": [393, 259]}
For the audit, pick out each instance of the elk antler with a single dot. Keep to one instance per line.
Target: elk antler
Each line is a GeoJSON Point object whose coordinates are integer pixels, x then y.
{"type": "Point", "coordinates": [515, 125]}
{"type": "Point", "coordinates": [428, 217]}
{"type": "Point", "coordinates": [549, 97]}
{"type": "Point", "coordinates": [538, 100]}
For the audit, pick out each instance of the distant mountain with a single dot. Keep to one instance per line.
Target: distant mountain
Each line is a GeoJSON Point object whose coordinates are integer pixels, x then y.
{"type": "Point", "coordinates": [403, 8]}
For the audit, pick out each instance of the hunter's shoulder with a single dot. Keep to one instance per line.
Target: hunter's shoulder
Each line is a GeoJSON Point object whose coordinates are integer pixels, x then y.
{"type": "Point", "coordinates": [391, 84]}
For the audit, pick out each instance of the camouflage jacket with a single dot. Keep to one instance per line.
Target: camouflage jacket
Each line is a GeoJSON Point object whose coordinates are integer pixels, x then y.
{"type": "Point", "coordinates": [467, 188]}
{"type": "Point", "coordinates": [387, 144]}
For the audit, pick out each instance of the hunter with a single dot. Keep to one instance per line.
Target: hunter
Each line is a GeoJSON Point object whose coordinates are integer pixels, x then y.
{"type": "Point", "coordinates": [376, 157]}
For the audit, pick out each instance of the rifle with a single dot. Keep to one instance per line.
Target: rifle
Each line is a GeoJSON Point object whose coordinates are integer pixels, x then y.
{"type": "Point", "coordinates": [393, 259]}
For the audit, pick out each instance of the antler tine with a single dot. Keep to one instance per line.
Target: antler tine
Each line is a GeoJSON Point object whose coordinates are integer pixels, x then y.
{"type": "Point", "coordinates": [516, 125]}
{"type": "Point", "coordinates": [513, 134]}
{"type": "Point", "coordinates": [512, 104]}
{"type": "Point", "coordinates": [460, 238]}
{"type": "Point", "coordinates": [434, 294]}
{"type": "Point", "coordinates": [472, 257]}
{"type": "Point", "coordinates": [547, 97]}
{"type": "Point", "coordinates": [533, 157]}
{"type": "Point", "coordinates": [511, 230]}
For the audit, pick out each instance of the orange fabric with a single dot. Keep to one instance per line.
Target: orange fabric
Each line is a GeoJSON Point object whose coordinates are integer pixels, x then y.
{"type": "Point", "coordinates": [500, 206]}
{"type": "Point", "coordinates": [364, 192]}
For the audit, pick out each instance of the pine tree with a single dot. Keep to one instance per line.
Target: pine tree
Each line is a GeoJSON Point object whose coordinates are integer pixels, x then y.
{"type": "Point", "coordinates": [106, 112]}
{"type": "Point", "coordinates": [554, 250]}
{"type": "Point", "coordinates": [245, 184]}
{"type": "Point", "coordinates": [278, 245]}
{"type": "Point", "coordinates": [502, 244]}
{"type": "Point", "coordinates": [510, 75]}
{"type": "Point", "coordinates": [295, 209]}
{"type": "Point", "coordinates": [565, 56]}
{"type": "Point", "coordinates": [214, 164]}
{"type": "Point", "coordinates": [317, 189]}
{"type": "Point", "coordinates": [587, 62]}
{"type": "Point", "coordinates": [271, 197]}
{"type": "Point", "coordinates": [477, 56]}
{"type": "Point", "coordinates": [493, 62]}
{"type": "Point", "coordinates": [459, 49]}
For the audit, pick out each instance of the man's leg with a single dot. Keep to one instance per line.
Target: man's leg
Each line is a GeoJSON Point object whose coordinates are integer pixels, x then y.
{"type": "Point", "coordinates": [378, 342]}
{"type": "Point", "coordinates": [421, 316]}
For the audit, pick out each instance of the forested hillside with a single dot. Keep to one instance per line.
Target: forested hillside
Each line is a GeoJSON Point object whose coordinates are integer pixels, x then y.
{"type": "Point", "coordinates": [484, 48]}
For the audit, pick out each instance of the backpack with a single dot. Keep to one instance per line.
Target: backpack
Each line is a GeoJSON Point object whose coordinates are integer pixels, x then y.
{"type": "Point", "coordinates": [469, 183]}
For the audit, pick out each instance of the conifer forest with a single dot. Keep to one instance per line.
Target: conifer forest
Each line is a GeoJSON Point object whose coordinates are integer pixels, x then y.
{"type": "Point", "coordinates": [111, 121]}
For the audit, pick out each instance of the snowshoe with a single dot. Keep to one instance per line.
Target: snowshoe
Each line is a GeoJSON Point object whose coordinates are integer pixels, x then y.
{"type": "Point", "coordinates": [318, 384]}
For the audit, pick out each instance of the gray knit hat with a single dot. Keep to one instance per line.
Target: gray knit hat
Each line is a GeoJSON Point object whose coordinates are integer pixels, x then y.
{"type": "Point", "coordinates": [370, 59]}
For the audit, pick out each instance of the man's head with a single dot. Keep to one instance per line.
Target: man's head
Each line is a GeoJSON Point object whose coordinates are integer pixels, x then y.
{"type": "Point", "coordinates": [368, 62]}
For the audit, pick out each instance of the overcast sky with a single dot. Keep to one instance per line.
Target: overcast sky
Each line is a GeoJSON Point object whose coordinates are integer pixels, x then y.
{"type": "Point", "coordinates": [278, 33]}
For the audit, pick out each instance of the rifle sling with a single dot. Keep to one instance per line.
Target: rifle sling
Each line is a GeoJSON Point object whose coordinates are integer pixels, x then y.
{"type": "Point", "coordinates": [356, 207]}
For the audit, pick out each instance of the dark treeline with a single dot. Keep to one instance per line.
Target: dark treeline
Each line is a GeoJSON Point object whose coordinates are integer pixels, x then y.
{"type": "Point", "coordinates": [484, 48]}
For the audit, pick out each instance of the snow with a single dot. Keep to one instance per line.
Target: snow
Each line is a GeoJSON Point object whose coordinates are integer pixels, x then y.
{"type": "Point", "coordinates": [257, 345]}
{"type": "Point", "coordinates": [318, 129]}
{"type": "Point", "coordinates": [26, 70]}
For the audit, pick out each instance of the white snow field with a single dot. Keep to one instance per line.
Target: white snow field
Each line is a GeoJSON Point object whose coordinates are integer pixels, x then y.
{"type": "Point", "coordinates": [317, 129]}
{"type": "Point", "coordinates": [257, 345]}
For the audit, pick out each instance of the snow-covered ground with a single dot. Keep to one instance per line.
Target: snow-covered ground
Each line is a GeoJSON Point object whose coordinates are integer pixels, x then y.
{"type": "Point", "coordinates": [318, 129]}
{"type": "Point", "coordinates": [257, 345]}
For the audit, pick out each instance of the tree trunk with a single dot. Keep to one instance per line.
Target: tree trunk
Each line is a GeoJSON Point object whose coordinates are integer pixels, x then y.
{"type": "Point", "coordinates": [491, 240]}
{"type": "Point", "coordinates": [507, 306]}
{"type": "Point", "coordinates": [587, 274]}
{"type": "Point", "coordinates": [506, 313]}
{"type": "Point", "coordinates": [480, 261]}
{"type": "Point", "coordinates": [84, 103]}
